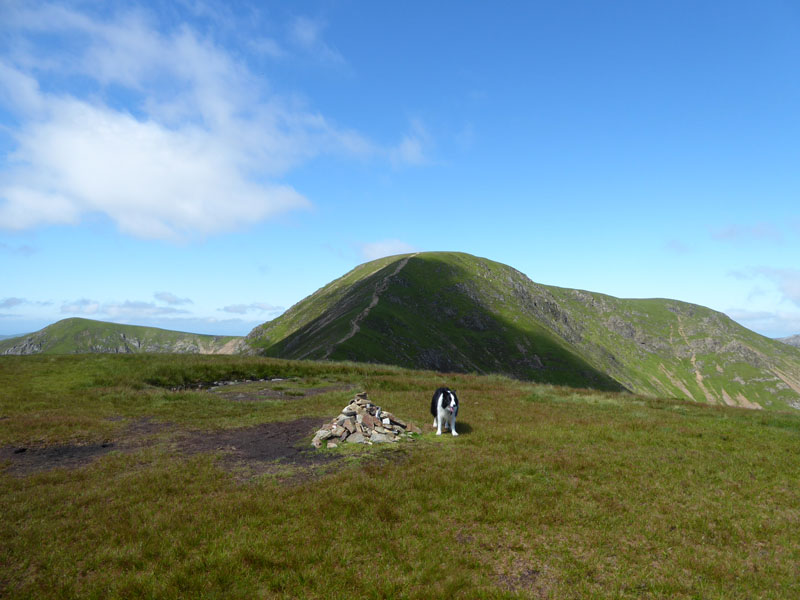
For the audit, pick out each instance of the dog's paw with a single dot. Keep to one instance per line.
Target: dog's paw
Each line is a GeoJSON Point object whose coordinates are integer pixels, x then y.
{"type": "Point", "coordinates": [438, 433]}
{"type": "Point", "coordinates": [454, 433]}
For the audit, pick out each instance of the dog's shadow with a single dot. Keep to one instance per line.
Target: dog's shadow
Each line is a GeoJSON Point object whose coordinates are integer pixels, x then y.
{"type": "Point", "coordinates": [462, 427]}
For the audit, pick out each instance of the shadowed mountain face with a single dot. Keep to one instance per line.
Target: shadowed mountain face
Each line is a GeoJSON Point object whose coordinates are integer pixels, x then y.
{"type": "Point", "coordinates": [81, 336]}
{"type": "Point", "coordinates": [456, 312]}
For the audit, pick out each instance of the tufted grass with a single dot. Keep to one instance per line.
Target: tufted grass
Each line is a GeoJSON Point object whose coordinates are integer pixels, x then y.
{"type": "Point", "coordinates": [550, 492]}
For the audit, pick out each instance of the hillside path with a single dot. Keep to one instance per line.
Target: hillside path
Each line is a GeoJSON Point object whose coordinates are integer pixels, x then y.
{"type": "Point", "coordinates": [379, 289]}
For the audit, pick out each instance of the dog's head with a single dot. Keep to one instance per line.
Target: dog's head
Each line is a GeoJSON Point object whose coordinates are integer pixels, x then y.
{"type": "Point", "coordinates": [449, 401]}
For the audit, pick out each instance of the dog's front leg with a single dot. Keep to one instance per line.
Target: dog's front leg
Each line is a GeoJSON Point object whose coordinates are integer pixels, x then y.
{"type": "Point", "coordinates": [438, 425]}
{"type": "Point", "coordinates": [453, 424]}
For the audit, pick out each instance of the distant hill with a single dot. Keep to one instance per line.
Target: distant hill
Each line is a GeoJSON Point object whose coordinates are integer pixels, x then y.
{"type": "Point", "coordinates": [80, 336]}
{"type": "Point", "coordinates": [456, 312]}
{"type": "Point", "coordinates": [792, 340]}
{"type": "Point", "coordinates": [8, 337]}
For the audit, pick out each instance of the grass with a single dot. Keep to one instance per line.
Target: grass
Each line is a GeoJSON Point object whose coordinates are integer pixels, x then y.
{"type": "Point", "coordinates": [550, 492]}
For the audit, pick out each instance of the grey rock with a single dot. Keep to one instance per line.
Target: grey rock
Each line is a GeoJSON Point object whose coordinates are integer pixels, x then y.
{"type": "Point", "coordinates": [323, 434]}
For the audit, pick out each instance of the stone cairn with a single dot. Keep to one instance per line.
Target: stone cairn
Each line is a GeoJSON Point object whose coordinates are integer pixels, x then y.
{"type": "Point", "coordinates": [362, 422]}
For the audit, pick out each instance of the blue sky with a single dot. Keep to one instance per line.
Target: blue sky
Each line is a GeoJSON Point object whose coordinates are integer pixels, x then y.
{"type": "Point", "coordinates": [203, 166]}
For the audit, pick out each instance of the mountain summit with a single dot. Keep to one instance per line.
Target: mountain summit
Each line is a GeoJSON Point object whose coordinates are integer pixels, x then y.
{"type": "Point", "coordinates": [451, 311]}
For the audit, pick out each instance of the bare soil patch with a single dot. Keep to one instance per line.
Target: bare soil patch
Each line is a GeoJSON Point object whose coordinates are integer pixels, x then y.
{"type": "Point", "coordinates": [261, 448]}
{"type": "Point", "coordinates": [252, 450]}
{"type": "Point", "coordinates": [28, 460]}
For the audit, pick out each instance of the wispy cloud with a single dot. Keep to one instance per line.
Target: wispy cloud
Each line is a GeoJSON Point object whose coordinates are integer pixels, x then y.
{"type": "Point", "coordinates": [128, 309]}
{"type": "Point", "coordinates": [21, 250]}
{"type": "Point", "coordinates": [171, 299]}
{"type": "Point", "coordinates": [739, 234]}
{"type": "Point", "coordinates": [677, 247]}
{"type": "Point", "coordinates": [11, 302]}
{"type": "Point", "coordinates": [196, 152]}
{"type": "Point", "coordinates": [255, 307]}
{"type": "Point", "coordinates": [83, 306]}
{"type": "Point", "coordinates": [375, 250]}
{"type": "Point", "coordinates": [771, 324]}
{"type": "Point", "coordinates": [787, 281]}
{"type": "Point", "coordinates": [306, 34]}
{"type": "Point", "coordinates": [414, 148]}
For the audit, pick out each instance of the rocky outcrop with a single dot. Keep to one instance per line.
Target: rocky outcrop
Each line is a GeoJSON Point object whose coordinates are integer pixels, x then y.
{"type": "Point", "coordinates": [31, 344]}
{"type": "Point", "coordinates": [792, 340]}
{"type": "Point", "coordinates": [362, 422]}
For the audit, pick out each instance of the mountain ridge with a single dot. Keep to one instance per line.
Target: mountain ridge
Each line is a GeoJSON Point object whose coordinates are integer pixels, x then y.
{"type": "Point", "coordinates": [451, 311]}
{"type": "Point", "coordinates": [78, 336]}
{"type": "Point", "coordinates": [454, 312]}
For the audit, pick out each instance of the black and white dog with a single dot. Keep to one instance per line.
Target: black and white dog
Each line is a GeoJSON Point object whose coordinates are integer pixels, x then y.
{"type": "Point", "coordinates": [444, 408]}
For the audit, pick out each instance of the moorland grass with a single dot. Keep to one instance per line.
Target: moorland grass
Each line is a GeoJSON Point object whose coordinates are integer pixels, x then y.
{"type": "Point", "coordinates": [550, 492]}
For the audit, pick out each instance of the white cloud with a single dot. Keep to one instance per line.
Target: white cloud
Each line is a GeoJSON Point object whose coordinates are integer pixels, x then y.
{"type": "Point", "coordinates": [414, 148]}
{"type": "Point", "coordinates": [191, 154]}
{"type": "Point", "coordinates": [136, 309]}
{"type": "Point", "coordinates": [171, 298]}
{"type": "Point", "coordinates": [11, 302]}
{"type": "Point", "coordinates": [306, 34]}
{"type": "Point", "coordinates": [770, 324]}
{"type": "Point", "coordinates": [375, 250]}
{"type": "Point", "coordinates": [787, 281]}
{"type": "Point", "coordinates": [83, 306]}
{"type": "Point", "coordinates": [260, 307]}
{"type": "Point", "coordinates": [129, 309]}
{"type": "Point", "coordinates": [741, 234]}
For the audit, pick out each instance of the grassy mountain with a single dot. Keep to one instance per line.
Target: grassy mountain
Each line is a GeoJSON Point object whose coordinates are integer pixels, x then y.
{"type": "Point", "coordinates": [457, 312]}
{"type": "Point", "coordinates": [81, 336]}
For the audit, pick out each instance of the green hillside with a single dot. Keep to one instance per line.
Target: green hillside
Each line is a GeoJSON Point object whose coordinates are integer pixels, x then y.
{"type": "Point", "coordinates": [121, 476]}
{"type": "Point", "coordinates": [456, 312]}
{"type": "Point", "coordinates": [81, 336]}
